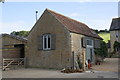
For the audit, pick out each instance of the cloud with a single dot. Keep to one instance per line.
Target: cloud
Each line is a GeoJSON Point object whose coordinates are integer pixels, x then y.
{"type": "Point", "coordinates": [74, 14]}
{"type": "Point", "coordinates": [8, 27]}
{"type": "Point", "coordinates": [100, 24]}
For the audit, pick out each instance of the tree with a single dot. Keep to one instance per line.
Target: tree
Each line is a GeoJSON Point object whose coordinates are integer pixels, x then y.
{"type": "Point", "coordinates": [101, 31]}
{"type": "Point", "coordinates": [20, 33]}
{"type": "Point", "coordinates": [103, 50]}
{"type": "Point", "coordinates": [96, 30]}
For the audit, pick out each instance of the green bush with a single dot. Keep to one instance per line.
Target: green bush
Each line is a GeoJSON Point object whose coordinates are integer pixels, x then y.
{"type": "Point", "coordinates": [80, 64]}
{"type": "Point", "coordinates": [116, 45]}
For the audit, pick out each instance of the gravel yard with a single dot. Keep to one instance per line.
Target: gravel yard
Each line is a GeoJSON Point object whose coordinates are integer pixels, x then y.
{"type": "Point", "coordinates": [108, 69]}
{"type": "Point", "coordinates": [40, 73]}
{"type": "Point", "coordinates": [109, 64]}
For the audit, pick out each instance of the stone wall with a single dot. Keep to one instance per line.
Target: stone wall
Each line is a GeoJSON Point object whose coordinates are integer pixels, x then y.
{"type": "Point", "coordinates": [77, 47]}
{"type": "Point", "coordinates": [0, 52]}
{"type": "Point", "coordinates": [11, 53]}
{"type": "Point", "coordinates": [65, 42]}
{"type": "Point", "coordinates": [58, 58]}
{"type": "Point", "coordinates": [7, 48]}
{"type": "Point", "coordinates": [113, 38]}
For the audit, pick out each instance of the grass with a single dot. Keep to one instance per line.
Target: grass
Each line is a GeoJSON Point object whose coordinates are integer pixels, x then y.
{"type": "Point", "coordinates": [105, 36]}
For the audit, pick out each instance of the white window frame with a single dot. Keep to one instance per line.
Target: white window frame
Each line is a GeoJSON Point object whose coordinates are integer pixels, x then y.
{"type": "Point", "coordinates": [89, 45]}
{"type": "Point", "coordinates": [46, 36]}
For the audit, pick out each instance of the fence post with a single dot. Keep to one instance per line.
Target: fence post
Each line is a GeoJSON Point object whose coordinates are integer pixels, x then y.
{"type": "Point", "coordinates": [2, 63]}
{"type": "Point", "coordinates": [24, 62]}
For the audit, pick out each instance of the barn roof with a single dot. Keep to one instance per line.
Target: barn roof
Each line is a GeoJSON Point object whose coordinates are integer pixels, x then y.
{"type": "Point", "coordinates": [115, 25]}
{"type": "Point", "coordinates": [74, 26]}
{"type": "Point", "coordinates": [13, 36]}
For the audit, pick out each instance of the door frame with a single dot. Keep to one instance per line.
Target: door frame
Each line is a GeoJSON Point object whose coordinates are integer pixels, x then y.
{"type": "Point", "coordinates": [90, 47]}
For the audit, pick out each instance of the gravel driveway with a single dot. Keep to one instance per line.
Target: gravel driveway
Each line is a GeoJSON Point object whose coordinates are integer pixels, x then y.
{"type": "Point", "coordinates": [39, 73]}
{"type": "Point", "coordinates": [108, 70]}
{"type": "Point", "coordinates": [109, 64]}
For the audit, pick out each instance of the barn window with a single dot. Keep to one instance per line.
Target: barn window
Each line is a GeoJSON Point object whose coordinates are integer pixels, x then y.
{"type": "Point", "coordinates": [116, 35]}
{"type": "Point", "coordinates": [47, 42]}
{"type": "Point", "coordinates": [89, 42]}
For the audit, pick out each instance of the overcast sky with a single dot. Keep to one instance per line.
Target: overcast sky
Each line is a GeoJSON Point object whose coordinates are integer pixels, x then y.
{"type": "Point", "coordinates": [18, 16]}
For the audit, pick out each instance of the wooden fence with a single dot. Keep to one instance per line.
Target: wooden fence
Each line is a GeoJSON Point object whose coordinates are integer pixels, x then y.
{"type": "Point", "coordinates": [12, 63]}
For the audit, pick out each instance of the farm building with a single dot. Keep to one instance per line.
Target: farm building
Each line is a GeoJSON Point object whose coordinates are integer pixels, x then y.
{"type": "Point", "coordinates": [114, 33]}
{"type": "Point", "coordinates": [58, 42]}
{"type": "Point", "coordinates": [11, 47]}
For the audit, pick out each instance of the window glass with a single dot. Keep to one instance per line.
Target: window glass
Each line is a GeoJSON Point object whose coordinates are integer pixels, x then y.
{"type": "Point", "coordinates": [116, 35]}
{"type": "Point", "coordinates": [47, 42]}
{"type": "Point", "coordinates": [89, 42]}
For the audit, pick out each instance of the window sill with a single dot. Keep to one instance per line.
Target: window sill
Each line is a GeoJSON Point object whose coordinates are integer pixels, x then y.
{"type": "Point", "coordinates": [46, 49]}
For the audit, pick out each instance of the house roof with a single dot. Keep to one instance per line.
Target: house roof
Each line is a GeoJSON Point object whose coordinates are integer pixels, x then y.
{"type": "Point", "coordinates": [13, 36]}
{"type": "Point", "coordinates": [115, 25]}
{"type": "Point", "coordinates": [74, 26]}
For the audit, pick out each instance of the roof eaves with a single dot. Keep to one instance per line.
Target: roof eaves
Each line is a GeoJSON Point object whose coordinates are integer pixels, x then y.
{"type": "Point", "coordinates": [86, 35]}
{"type": "Point", "coordinates": [13, 36]}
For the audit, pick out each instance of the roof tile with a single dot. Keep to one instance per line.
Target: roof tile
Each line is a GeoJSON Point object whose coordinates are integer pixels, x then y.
{"type": "Point", "coordinates": [115, 25]}
{"type": "Point", "coordinates": [74, 26]}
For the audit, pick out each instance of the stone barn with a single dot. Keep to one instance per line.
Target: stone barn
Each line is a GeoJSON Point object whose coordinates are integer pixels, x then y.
{"type": "Point", "coordinates": [114, 33]}
{"type": "Point", "coordinates": [12, 46]}
{"type": "Point", "coordinates": [57, 42]}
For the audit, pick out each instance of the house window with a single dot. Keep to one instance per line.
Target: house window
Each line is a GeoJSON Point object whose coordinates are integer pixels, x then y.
{"type": "Point", "coordinates": [89, 42]}
{"type": "Point", "coordinates": [117, 49]}
{"type": "Point", "coordinates": [47, 42]}
{"type": "Point", "coordinates": [116, 35]}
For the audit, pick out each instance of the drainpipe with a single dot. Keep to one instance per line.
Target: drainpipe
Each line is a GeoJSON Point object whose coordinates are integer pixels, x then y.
{"type": "Point", "coordinates": [73, 60]}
